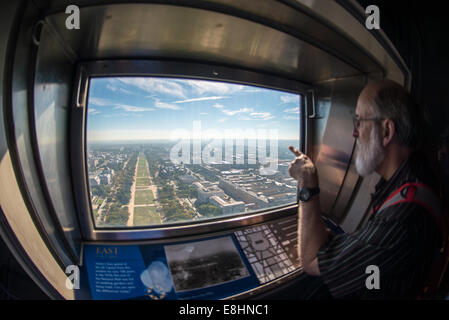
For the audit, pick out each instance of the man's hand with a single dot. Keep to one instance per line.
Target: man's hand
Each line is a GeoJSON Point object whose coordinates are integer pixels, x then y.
{"type": "Point", "coordinates": [303, 170]}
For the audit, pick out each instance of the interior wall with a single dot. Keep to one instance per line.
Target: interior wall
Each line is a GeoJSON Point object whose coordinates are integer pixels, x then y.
{"type": "Point", "coordinates": [419, 32]}
{"type": "Point", "coordinates": [333, 142]}
{"type": "Point", "coordinates": [20, 230]}
{"type": "Point", "coordinates": [53, 83]}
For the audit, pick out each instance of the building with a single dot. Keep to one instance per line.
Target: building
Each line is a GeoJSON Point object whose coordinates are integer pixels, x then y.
{"type": "Point", "coordinates": [262, 192]}
{"type": "Point", "coordinates": [107, 170]}
{"type": "Point", "coordinates": [105, 179]}
{"type": "Point", "coordinates": [227, 207]}
{"type": "Point", "coordinates": [283, 167]}
{"type": "Point", "coordinates": [240, 193]}
{"type": "Point", "coordinates": [206, 190]}
{"type": "Point", "coordinates": [187, 178]}
{"type": "Point", "coordinates": [94, 181]}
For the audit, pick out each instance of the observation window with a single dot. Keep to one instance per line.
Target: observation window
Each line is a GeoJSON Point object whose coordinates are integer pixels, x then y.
{"type": "Point", "coordinates": [171, 150]}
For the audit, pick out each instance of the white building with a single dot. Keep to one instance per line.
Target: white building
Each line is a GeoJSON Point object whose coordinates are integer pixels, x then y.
{"type": "Point", "coordinates": [206, 190]}
{"type": "Point", "coordinates": [227, 207]}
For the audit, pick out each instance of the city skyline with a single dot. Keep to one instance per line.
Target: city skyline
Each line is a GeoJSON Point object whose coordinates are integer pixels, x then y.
{"type": "Point", "coordinates": [139, 185]}
{"type": "Point", "coordinates": [150, 108]}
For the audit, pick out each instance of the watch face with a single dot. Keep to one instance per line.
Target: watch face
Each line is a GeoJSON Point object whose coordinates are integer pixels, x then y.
{"type": "Point", "coordinates": [304, 194]}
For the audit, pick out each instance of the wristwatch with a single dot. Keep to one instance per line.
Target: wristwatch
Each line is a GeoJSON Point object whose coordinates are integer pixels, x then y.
{"type": "Point", "coordinates": [305, 194]}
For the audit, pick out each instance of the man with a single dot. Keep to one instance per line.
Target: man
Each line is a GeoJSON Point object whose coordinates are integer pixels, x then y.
{"type": "Point", "coordinates": [399, 240]}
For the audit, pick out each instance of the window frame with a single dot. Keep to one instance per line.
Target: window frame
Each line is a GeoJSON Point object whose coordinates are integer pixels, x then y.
{"type": "Point", "coordinates": [167, 69]}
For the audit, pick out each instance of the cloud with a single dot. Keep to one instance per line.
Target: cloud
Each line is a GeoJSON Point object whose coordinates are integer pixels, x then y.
{"type": "Point", "coordinates": [132, 108]}
{"type": "Point", "coordinates": [256, 116]}
{"type": "Point", "coordinates": [163, 105]}
{"type": "Point", "coordinates": [222, 120]}
{"type": "Point", "coordinates": [125, 91]}
{"type": "Point", "coordinates": [219, 88]}
{"type": "Point", "coordinates": [201, 99]}
{"type": "Point", "coordinates": [252, 90]}
{"type": "Point", "coordinates": [117, 88]}
{"type": "Point", "coordinates": [234, 112]}
{"type": "Point", "coordinates": [291, 118]}
{"type": "Point", "coordinates": [218, 106]}
{"type": "Point", "coordinates": [289, 98]}
{"type": "Point", "coordinates": [93, 111]}
{"type": "Point", "coordinates": [110, 87]}
{"type": "Point", "coordinates": [100, 102]}
{"type": "Point", "coordinates": [156, 85]}
{"type": "Point", "coordinates": [292, 110]}
{"type": "Point", "coordinates": [262, 115]}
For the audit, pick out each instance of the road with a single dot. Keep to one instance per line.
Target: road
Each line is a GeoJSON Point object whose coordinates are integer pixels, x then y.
{"type": "Point", "coordinates": [130, 222]}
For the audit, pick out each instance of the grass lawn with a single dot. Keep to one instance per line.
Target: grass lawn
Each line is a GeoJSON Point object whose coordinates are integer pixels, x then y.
{"type": "Point", "coordinates": [144, 197]}
{"type": "Point", "coordinates": [144, 216]}
{"type": "Point", "coordinates": [143, 182]}
{"type": "Point", "coordinates": [142, 172]}
{"type": "Point", "coordinates": [142, 162]}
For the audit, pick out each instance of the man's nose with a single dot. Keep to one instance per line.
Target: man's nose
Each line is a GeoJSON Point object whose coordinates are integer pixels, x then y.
{"type": "Point", "coordinates": [355, 133]}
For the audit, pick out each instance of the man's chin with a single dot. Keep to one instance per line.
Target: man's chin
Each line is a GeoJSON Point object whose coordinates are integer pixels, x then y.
{"type": "Point", "coordinates": [363, 173]}
{"type": "Point", "coordinates": [362, 169]}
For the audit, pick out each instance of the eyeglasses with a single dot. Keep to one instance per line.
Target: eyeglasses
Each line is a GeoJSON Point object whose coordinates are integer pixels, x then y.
{"type": "Point", "coordinates": [356, 121]}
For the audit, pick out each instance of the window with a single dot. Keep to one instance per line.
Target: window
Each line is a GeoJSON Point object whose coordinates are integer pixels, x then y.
{"type": "Point", "coordinates": [169, 150]}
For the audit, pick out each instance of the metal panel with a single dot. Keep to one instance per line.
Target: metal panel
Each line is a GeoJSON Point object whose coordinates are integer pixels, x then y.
{"type": "Point", "coordinates": [19, 230]}
{"type": "Point", "coordinates": [25, 143]}
{"type": "Point", "coordinates": [336, 148]}
{"type": "Point", "coordinates": [360, 203]}
{"type": "Point", "coordinates": [394, 66]}
{"type": "Point", "coordinates": [167, 31]}
{"type": "Point", "coordinates": [293, 17]}
{"type": "Point", "coordinates": [195, 228]}
{"type": "Point", "coordinates": [341, 19]}
{"type": "Point", "coordinates": [347, 191]}
{"type": "Point", "coordinates": [52, 96]}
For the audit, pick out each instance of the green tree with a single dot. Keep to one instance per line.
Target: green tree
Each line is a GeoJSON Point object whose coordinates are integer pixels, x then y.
{"type": "Point", "coordinates": [209, 210]}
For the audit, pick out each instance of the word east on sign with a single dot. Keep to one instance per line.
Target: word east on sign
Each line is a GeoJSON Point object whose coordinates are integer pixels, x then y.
{"type": "Point", "coordinates": [212, 153]}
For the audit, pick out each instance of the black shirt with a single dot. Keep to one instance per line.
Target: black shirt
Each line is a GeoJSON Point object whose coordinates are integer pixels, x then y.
{"type": "Point", "coordinates": [401, 241]}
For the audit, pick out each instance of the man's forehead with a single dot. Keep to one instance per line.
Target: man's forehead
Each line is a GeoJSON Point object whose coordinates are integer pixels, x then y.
{"type": "Point", "coordinates": [365, 101]}
{"type": "Point", "coordinates": [363, 107]}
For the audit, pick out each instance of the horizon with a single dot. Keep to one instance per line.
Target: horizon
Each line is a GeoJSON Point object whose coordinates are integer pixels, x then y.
{"type": "Point", "coordinates": [134, 141]}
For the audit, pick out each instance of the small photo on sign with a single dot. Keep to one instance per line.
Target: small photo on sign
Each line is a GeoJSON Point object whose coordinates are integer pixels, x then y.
{"type": "Point", "coordinates": [202, 264]}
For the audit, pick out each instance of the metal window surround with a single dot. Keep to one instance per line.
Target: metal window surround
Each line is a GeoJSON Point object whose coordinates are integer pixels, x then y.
{"type": "Point", "coordinates": [166, 69]}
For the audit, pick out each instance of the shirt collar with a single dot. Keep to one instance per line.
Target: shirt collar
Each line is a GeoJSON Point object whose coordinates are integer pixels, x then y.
{"type": "Point", "coordinates": [384, 186]}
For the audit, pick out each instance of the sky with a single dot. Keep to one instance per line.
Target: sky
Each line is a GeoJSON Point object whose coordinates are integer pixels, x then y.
{"type": "Point", "coordinates": [151, 108]}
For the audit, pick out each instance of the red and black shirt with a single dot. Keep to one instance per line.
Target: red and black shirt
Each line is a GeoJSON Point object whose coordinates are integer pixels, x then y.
{"type": "Point", "coordinates": [401, 241]}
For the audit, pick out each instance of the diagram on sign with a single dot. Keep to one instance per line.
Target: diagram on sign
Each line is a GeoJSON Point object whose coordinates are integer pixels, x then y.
{"type": "Point", "coordinates": [264, 252]}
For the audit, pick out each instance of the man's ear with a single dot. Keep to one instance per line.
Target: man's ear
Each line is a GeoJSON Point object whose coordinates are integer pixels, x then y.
{"type": "Point", "coordinates": [388, 131]}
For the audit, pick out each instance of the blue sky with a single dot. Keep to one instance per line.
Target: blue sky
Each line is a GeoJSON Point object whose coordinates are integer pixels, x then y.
{"type": "Point", "coordinates": [150, 108]}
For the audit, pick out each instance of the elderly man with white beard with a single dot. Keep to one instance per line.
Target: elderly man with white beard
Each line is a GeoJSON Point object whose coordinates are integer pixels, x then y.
{"type": "Point", "coordinates": [401, 236]}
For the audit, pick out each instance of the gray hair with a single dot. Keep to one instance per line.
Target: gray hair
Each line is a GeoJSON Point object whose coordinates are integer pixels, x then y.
{"type": "Point", "coordinates": [394, 102]}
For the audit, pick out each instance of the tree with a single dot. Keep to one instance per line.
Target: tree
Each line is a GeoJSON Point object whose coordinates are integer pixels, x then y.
{"type": "Point", "coordinates": [117, 216]}
{"type": "Point", "coordinates": [209, 210]}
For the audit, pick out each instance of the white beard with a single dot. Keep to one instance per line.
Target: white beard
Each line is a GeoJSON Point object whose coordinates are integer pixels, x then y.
{"type": "Point", "coordinates": [369, 156]}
